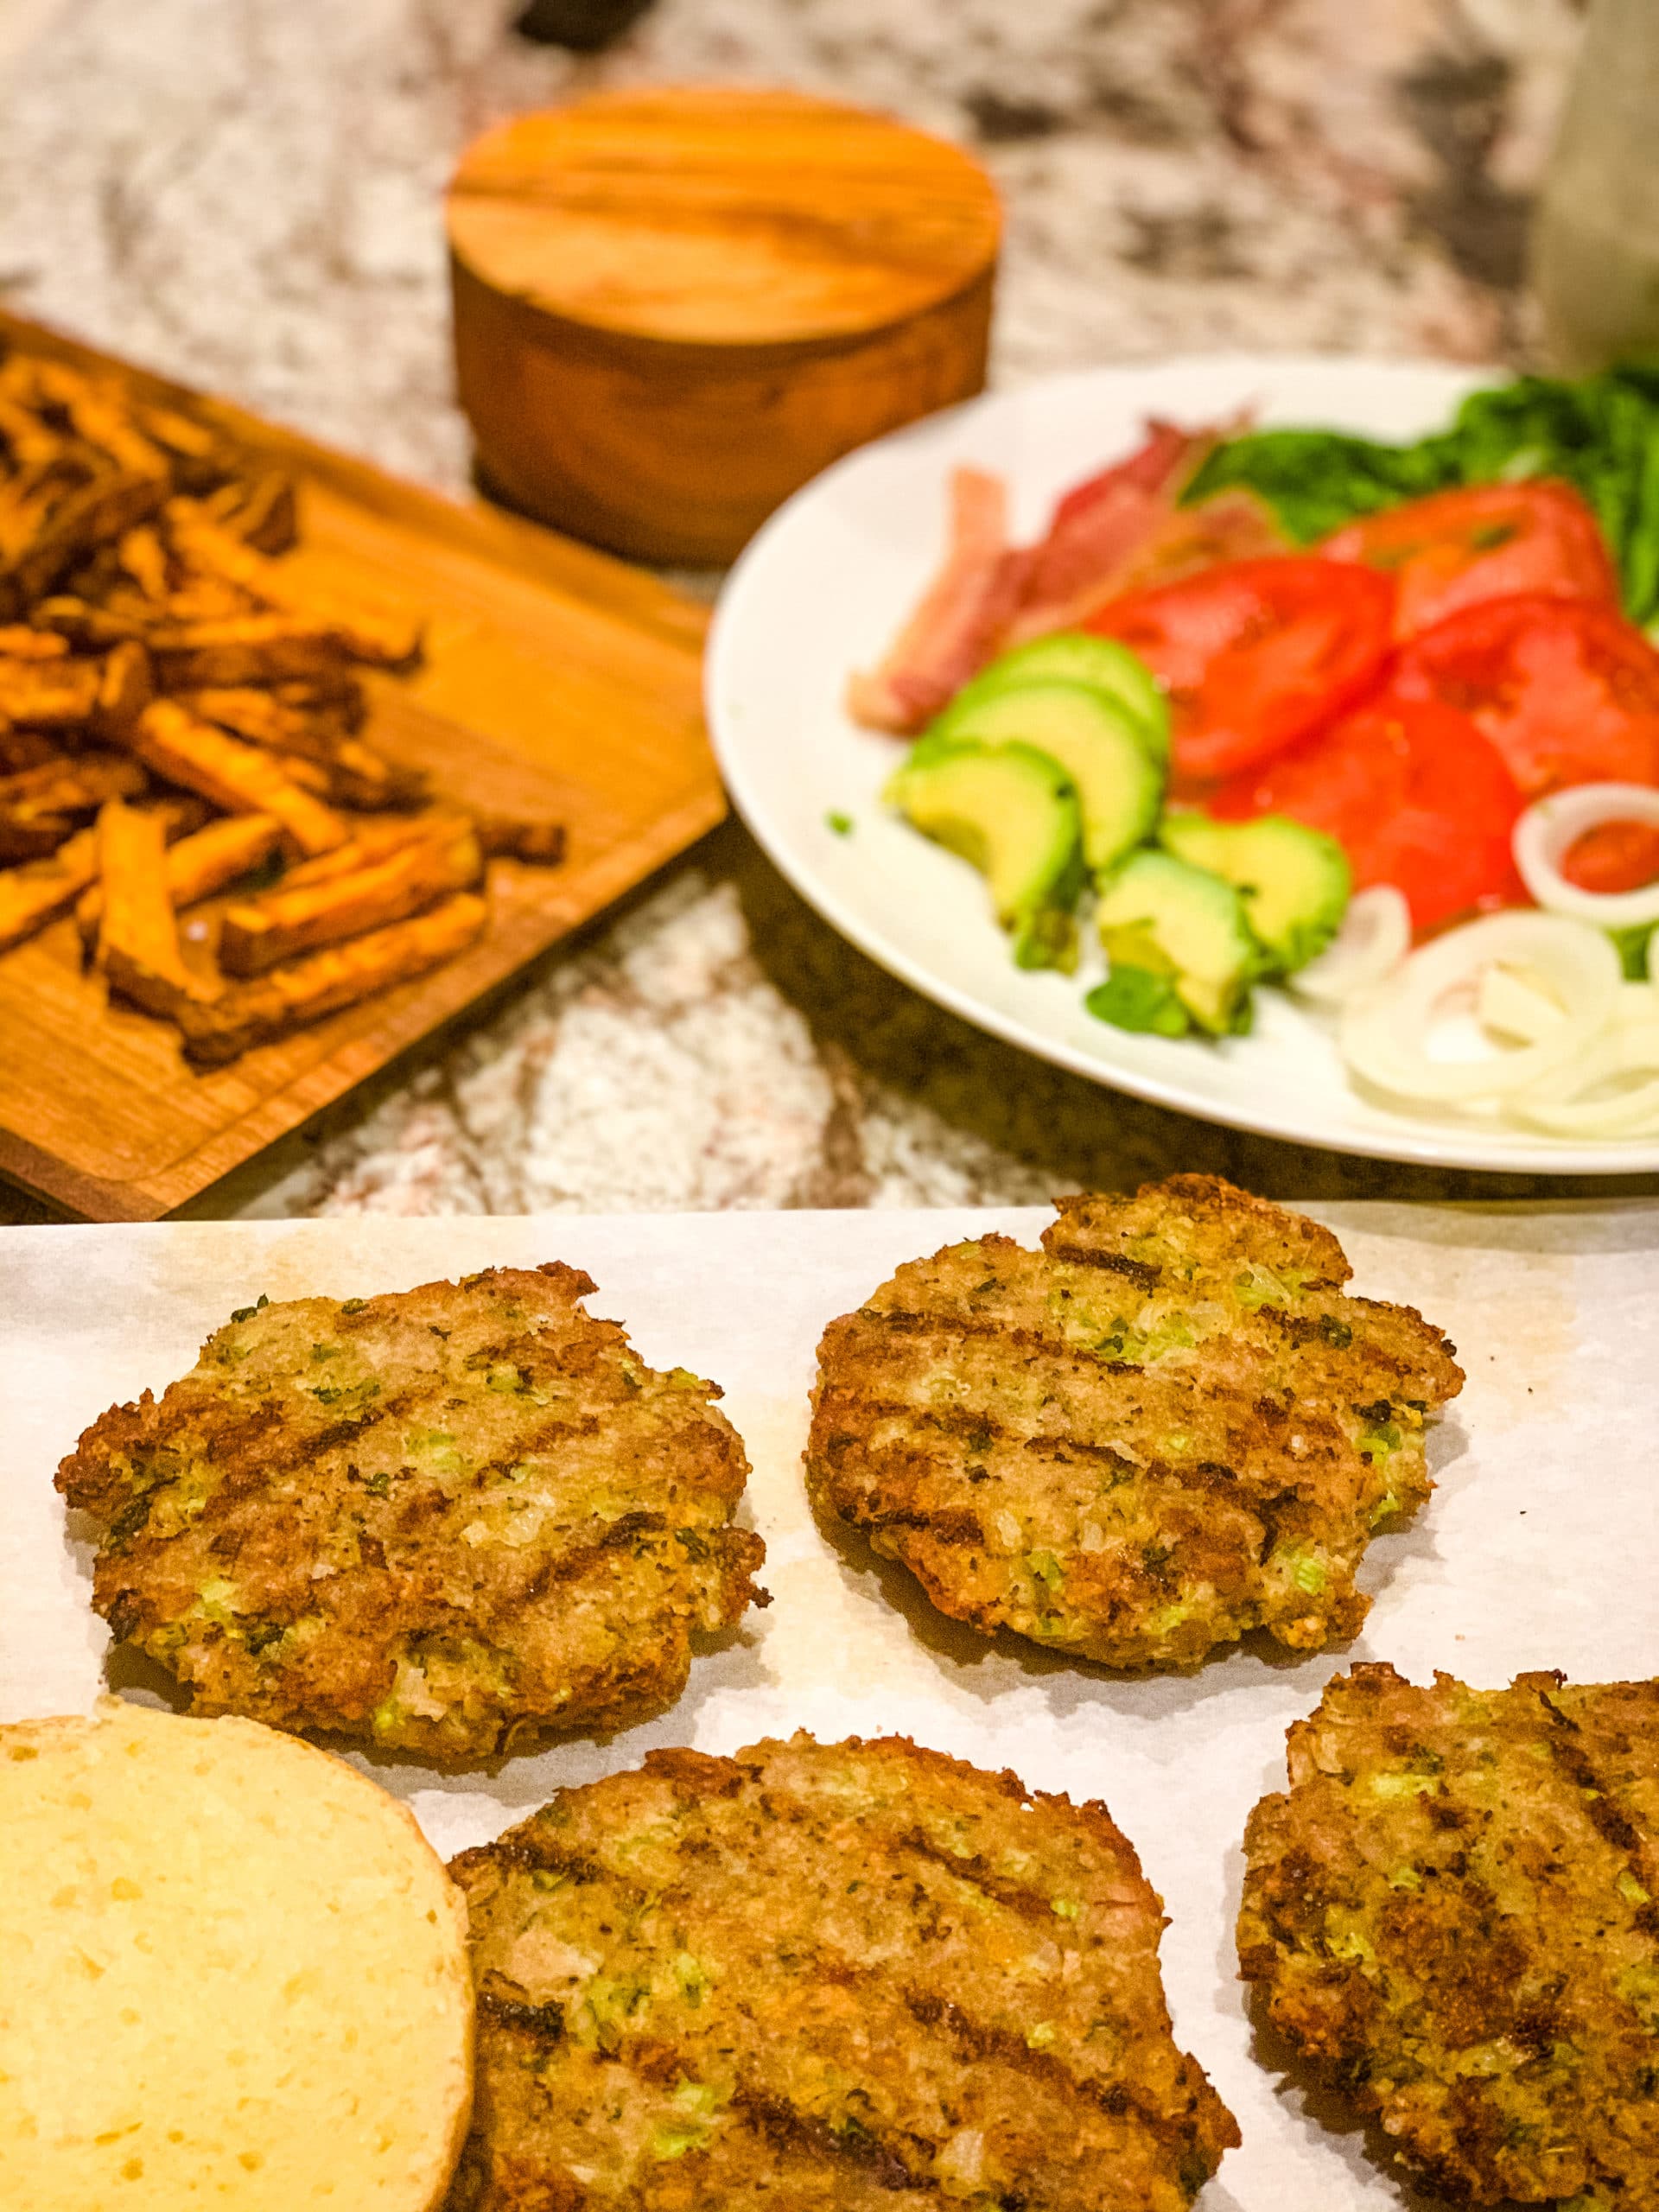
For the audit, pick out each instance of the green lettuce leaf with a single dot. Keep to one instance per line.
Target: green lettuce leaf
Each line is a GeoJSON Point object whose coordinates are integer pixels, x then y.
{"type": "Point", "coordinates": [1600, 435]}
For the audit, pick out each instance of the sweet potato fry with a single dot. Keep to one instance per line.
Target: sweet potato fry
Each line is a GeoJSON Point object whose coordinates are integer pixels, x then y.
{"type": "Point", "coordinates": [71, 784]}
{"type": "Point", "coordinates": [32, 897]}
{"type": "Point", "coordinates": [39, 806]}
{"type": "Point", "coordinates": [349, 772]}
{"type": "Point", "coordinates": [338, 696]}
{"type": "Point", "coordinates": [125, 688]}
{"type": "Point", "coordinates": [29, 443]}
{"type": "Point", "coordinates": [24, 748]}
{"type": "Point", "coordinates": [366, 633]}
{"type": "Point", "coordinates": [45, 694]}
{"type": "Point", "coordinates": [19, 642]}
{"type": "Point", "coordinates": [199, 865]}
{"type": "Point", "coordinates": [508, 837]}
{"type": "Point", "coordinates": [82, 626]}
{"type": "Point", "coordinates": [100, 417]}
{"type": "Point", "coordinates": [160, 662]}
{"type": "Point", "coordinates": [202, 758]}
{"type": "Point", "coordinates": [246, 649]}
{"type": "Point", "coordinates": [71, 528]}
{"type": "Point", "coordinates": [258, 933]}
{"type": "Point", "coordinates": [141, 556]}
{"type": "Point", "coordinates": [372, 841]}
{"type": "Point", "coordinates": [260, 510]}
{"type": "Point", "coordinates": [138, 944]}
{"type": "Point", "coordinates": [288, 998]}
{"type": "Point", "coordinates": [186, 438]}
{"type": "Point", "coordinates": [355, 775]}
{"type": "Point", "coordinates": [261, 718]}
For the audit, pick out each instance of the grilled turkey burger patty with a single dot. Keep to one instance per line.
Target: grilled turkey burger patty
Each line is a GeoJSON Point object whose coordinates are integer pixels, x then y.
{"type": "Point", "coordinates": [1168, 1427]}
{"type": "Point", "coordinates": [427, 1520]}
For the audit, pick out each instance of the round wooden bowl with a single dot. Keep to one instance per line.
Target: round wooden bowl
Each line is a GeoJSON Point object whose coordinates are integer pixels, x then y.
{"type": "Point", "coordinates": [673, 306]}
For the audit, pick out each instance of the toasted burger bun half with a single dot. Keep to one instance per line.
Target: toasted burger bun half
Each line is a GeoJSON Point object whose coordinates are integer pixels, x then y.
{"type": "Point", "coordinates": [233, 1973]}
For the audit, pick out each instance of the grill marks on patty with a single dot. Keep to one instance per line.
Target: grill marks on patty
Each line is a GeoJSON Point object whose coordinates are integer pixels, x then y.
{"type": "Point", "coordinates": [1452, 1911]}
{"type": "Point", "coordinates": [427, 1518]}
{"type": "Point", "coordinates": [1169, 1427]}
{"type": "Point", "coordinates": [822, 1974]}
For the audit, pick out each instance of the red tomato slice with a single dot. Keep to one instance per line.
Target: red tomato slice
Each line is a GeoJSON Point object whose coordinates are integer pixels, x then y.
{"type": "Point", "coordinates": [1567, 692]}
{"type": "Point", "coordinates": [1255, 654]}
{"type": "Point", "coordinates": [1613, 856]}
{"type": "Point", "coordinates": [1490, 540]}
{"type": "Point", "coordinates": [1413, 793]}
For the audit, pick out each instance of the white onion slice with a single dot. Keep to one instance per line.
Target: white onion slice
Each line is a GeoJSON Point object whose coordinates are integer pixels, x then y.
{"type": "Point", "coordinates": [1627, 1047]}
{"type": "Point", "coordinates": [1374, 938]}
{"type": "Point", "coordinates": [1512, 1005]}
{"type": "Point", "coordinates": [1385, 1033]}
{"type": "Point", "coordinates": [1547, 831]}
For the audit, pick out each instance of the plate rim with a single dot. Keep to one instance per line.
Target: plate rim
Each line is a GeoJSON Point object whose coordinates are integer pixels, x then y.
{"type": "Point", "coordinates": [1439, 1145]}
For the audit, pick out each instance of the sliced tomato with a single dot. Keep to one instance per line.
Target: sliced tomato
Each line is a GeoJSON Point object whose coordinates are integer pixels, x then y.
{"type": "Point", "coordinates": [1413, 793]}
{"type": "Point", "coordinates": [1488, 541]}
{"type": "Point", "coordinates": [1568, 692]}
{"type": "Point", "coordinates": [1255, 654]}
{"type": "Point", "coordinates": [1614, 856]}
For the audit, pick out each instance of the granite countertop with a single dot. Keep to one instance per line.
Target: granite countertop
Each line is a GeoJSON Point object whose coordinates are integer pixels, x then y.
{"type": "Point", "coordinates": [246, 196]}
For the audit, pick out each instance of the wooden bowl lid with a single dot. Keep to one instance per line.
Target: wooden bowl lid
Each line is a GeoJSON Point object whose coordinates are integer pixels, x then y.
{"type": "Point", "coordinates": [722, 216]}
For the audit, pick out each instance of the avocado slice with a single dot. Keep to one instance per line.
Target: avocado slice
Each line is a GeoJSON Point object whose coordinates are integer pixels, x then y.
{"type": "Point", "coordinates": [1120, 786]}
{"type": "Point", "coordinates": [1295, 882]}
{"type": "Point", "coordinates": [1077, 657]}
{"type": "Point", "coordinates": [1163, 921]}
{"type": "Point", "coordinates": [1010, 813]}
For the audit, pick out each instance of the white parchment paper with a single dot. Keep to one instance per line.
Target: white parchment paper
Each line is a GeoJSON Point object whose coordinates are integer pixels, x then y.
{"type": "Point", "coordinates": [1540, 1548]}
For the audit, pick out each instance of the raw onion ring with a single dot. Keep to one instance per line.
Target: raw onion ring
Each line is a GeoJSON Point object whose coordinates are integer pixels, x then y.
{"type": "Point", "coordinates": [1627, 1047]}
{"type": "Point", "coordinates": [1512, 1006]}
{"type": "Point", "coordinates": [1547, 831]}
{"type": "Point", "coordinates": [1374, 938]}
{"type": "Point", "coordinates": [1383, 1032]}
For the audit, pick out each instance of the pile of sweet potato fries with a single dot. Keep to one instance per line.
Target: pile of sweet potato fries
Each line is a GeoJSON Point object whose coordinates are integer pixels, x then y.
{"type": "Point", "coordinates": [181, 718]}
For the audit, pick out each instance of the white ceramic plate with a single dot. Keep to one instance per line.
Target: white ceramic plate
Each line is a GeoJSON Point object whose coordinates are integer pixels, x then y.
{"type": "Point", "coordinates": [821, 591]}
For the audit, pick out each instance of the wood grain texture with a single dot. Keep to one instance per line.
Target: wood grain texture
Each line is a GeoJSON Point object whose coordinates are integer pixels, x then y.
{"type": "Point", "coordinates": [556, 683]}
{"type": "Point", "coordinates": [674, 305]}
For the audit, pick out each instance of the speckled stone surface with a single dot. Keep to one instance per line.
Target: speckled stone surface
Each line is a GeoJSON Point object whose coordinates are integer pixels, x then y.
{"type": "Point", "coordinates": [244, 194]}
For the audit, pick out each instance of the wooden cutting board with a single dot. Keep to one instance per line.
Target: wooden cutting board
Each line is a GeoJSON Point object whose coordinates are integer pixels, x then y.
{"type": "Point", "coordinates": [557, 683]}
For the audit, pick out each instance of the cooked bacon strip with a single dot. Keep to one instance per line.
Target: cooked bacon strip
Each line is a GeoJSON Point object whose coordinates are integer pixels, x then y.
{"type": "Point", "coordinates": [1122, 527]}
{"type": "Point", "coordinates": [961, 617]}
{"type": "Point", "coordinates": [1232, 526]}
{"type": "Point", "coordinates": [1099, 528]}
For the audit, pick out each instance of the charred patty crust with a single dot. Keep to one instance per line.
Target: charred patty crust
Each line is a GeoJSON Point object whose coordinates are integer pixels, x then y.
{"type": "Point", "coordinates": [818, 1975]}
{"type": "Point", "coordinates": [1168, 1427]}
{"type": "Point", "coordinates": [1452, 1913]}
{"type": "Point", "coordinates": [426, 1520]}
